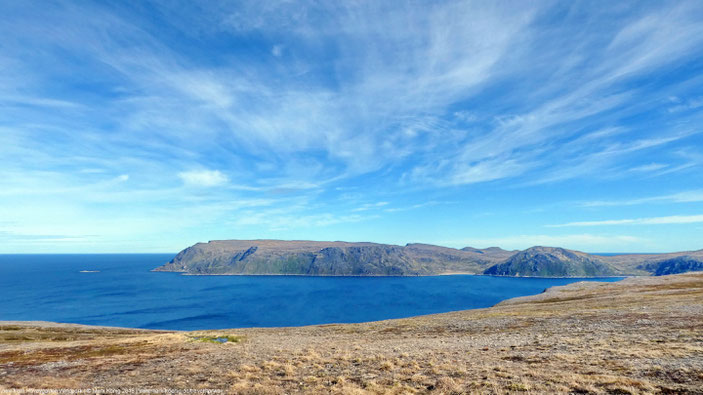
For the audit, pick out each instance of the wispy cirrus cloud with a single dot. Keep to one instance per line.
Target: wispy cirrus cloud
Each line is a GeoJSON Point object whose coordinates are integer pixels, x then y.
{"type": "Point", "coordinates": [203, 178]}
{"type": "Point", "coordinates": [648, 168]}
{"type": "Point", "coordinates": [282, 219]}
{"type": "Point", "coordinates": [370, 206]}
{"type": "Point", "coordinates": [395, 90]}
{"type": "Point", "coordinates": [680, 197]}
{"type": "Point", "coordinates": [12, 237]}
{"type": "Point", "coordinates": [416, 206]}
{"type": "Point", "coordinates": [685, 105]}
{"type": "Point", "coordinates": [283, 103]}
{"type": "Point", "coordinates": [672, 219]}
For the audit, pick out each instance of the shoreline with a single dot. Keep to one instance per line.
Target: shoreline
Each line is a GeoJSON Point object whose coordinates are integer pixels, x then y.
{"type": "Point", "coordinates": [182, 273]}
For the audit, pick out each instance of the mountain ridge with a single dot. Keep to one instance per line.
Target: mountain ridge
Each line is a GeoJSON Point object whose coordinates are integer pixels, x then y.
{"type": "Point", "coordinates": [339, 258]}
{"type": "Point", "coordinates": [327, 258]}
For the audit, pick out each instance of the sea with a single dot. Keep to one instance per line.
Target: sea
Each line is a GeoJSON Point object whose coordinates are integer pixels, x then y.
{"type": "Point", "coordinates": [121, 290]}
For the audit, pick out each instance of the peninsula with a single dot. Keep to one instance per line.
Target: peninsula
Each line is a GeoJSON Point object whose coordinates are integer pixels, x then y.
{"type": "Point", "coordinates": [322, 258]}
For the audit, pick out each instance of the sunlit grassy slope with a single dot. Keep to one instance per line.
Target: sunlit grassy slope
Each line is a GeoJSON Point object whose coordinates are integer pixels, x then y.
{"type": "Point", "coordinates": [640, 335]}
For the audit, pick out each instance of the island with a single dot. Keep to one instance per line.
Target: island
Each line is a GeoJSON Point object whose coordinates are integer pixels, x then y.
{"type": "Point", "coordinates": [338, 258]}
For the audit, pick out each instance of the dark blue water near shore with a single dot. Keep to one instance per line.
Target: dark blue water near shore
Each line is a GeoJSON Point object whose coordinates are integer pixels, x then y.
{"type": "Point", "coordinates": [125, 293]}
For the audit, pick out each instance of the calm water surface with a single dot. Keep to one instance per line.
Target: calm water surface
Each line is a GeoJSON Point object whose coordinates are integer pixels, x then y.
{"type": "Point", "coordinates": [126, 293]}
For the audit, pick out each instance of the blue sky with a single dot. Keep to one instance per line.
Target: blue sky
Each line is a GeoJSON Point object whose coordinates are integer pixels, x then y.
{"type": "Point", "coordinates": [149, 126]}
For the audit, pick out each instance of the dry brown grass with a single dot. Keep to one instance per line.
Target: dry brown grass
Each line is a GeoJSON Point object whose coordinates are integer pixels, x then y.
{"type": "Point", "coordinates": [639, 336]}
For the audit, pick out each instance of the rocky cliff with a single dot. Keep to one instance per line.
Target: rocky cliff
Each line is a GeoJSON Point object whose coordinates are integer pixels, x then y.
{"type": "Point", "coordinates": [327, 258]}
{"type": "Point", "coordinates": [321, 258]}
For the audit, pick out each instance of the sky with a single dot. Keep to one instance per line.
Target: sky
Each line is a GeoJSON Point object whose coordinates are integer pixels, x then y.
{"type": "Point", "coordinates": [148, 126]}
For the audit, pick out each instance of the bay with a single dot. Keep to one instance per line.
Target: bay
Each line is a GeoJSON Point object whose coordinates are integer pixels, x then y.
{"type": "Point", "coordinates": [120, 290]}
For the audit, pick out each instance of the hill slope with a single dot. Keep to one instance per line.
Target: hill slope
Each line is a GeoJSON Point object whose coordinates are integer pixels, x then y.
{"type": "Point", "coordinates": [639, 335]}
{"type": "Point", "coordinates": [321, 258]}
{"type": "Point", "coordinates": [646, 264]}
{"type": "Point", "coordinates": [679, 264]}
{"type": "Point", "coordinates": [326, 258]}
{"type": "Point", "coordinates": [552, 262]}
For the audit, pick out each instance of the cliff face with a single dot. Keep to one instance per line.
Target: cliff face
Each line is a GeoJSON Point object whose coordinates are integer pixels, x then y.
{"type": "Point", "coordinates": [339, 258]}
{"type": "Point", "coordinates": [552, 262]}
{"type": "Point", "coordinates": [326, 258]}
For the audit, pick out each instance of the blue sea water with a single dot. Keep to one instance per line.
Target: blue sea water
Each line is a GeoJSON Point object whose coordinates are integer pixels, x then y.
{"type": "Point", "coordinates": [124, 292]}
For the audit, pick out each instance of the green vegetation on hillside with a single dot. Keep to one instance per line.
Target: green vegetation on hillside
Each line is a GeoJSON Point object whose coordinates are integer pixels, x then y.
{"type": "Point", "coordinates": [552, 262]}
{"type": "Point", "coordinates": [315, 258]}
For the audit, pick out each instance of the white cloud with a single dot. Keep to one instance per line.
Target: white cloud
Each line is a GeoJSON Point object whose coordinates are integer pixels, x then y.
{"type": "Point", "coordinates": [680, 197]}
{"type": "Point", "coordinates": [442, 94]}
{"type": "Point", "coordinates": [672, 219]}
{"type": "Point", "coordinates": [282, 219]}
{"type": "Point", "coordinates": [203, 178]}
{"type": "Point", "coordinates": [602, 161]}
{"type": "Point", "coordinates": [369, 206]}
{"type": "Point", "coordinates": [416, 206]}
{"type": "Point", "coordinates": [690, 104]}
{"type": "Point", "coordinates": [465, 116]}
{"type": "Point", "coordinates": [686, 197]}
{"type": "Point", "coordinates": [390, 95]}
{"type": "Point", "coordinates": [648, 168]}
{"type": "Point", "coordinates": [41, 102]}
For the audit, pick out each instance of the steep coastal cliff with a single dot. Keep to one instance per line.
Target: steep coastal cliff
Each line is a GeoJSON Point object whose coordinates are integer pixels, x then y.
{"type": "Point", "coordinates": [337, 258]}
{"type": "Point", "coordinates": [328, 258]}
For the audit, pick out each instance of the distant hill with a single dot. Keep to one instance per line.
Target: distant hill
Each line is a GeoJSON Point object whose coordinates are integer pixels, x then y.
{"type": "Point", "coordinates": [647, 264]}
{"type": "Point", "coordinates": [338, 258]}
{"type": "Point", "coordinates": [552, 262]}
{"type": "Point", "coordinates": [679, 264]}
{"type": "Point", "coordinates": [492, 251]}
{"type": "Point", "coordinates": [326, 258]}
